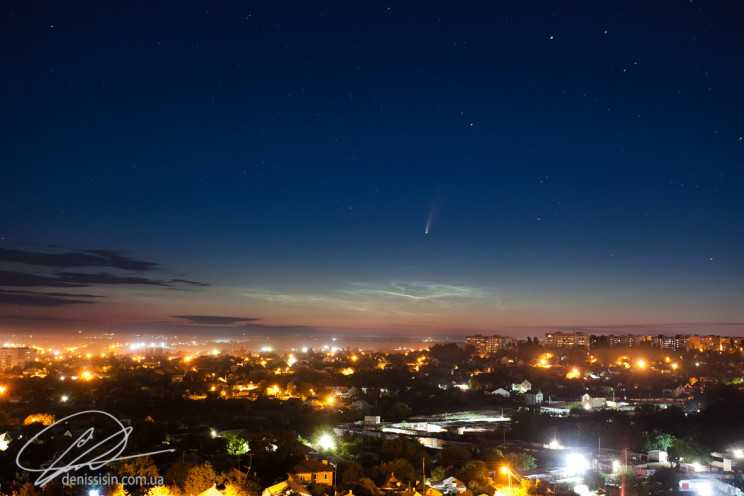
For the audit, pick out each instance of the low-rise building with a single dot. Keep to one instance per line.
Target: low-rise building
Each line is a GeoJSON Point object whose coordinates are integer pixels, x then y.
{"type": "Point", "coordinates": [533, 397]}
{"type": "Point", "coordinates": [522, 387]}
{"type": "Point", "coordinates": [310, 471]}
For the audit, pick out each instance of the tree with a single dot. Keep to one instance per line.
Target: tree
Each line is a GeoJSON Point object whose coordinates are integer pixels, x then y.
{"type": "Point", "coordinates": [237, 446]}
{"type": "Point", "coordinates": [142, 467]}
{"type": "Point", "coordinates": [319, 489]}
{"type": "Point", "coordinates": [520, 462]}
{"type": "Point", "coordinates": [367, 487]}
{"type": "Point", "coordinates": [452, 455]}
{"type": "Point", "coordinates": [199, 478]}
{"type": "Point", "coordinates": [438, 473]}
{"type": "Point", "coordinates": [594, 480]}
{"type": "Point", "coordinates": [351, 472]}
{"type": "Point", "coordinates": [276, 452]}
{"type": "Point", "coordinates": [401, 467]}
{"type": "Point", "coordinates": [472, 471]}
{"type": "Point", "coordinates": [663, 481]}
{"type": "Point", "coordinates": [28, 489]}
{"type": "Point", "coordinates": [177, 473]}
{"type": "Point", "coordinates": [159, 491]}
{"type": "Point", "coordinates": [402, 447]}
{"type": "Point", "coordinates": [41, 418]}
{"type": "Point", "coordinates": [351, 449]}
{"type": "Point", "coordinates": [400, 411]}
{"type": "Point", "coordinates": [688, 451]}
{"type": "Point", "coordinates": [632, 485]}
{"type": "Point", "coordinates": [657, 440]}
{"type": "Point", "coordinates": [117, 490]}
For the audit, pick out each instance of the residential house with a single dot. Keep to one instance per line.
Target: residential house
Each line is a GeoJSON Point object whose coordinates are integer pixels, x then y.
{"type": "Point", "coordinates": [426, 490]}
{"type": "Point", "coordinates": [589, 403]}
{"type": "Point", "coordinates": [310, 471]}
{"type": "Point", "coordinates": [450, 485]}
{"type": "Point", "coordinates": [499, 392]}
{"type": "Point", "coordinates": [523, 387]}
{"type": "Point", "coordinates": [286, 488]}
{"type": "Point", "coordinates": [533, 397]}
{"type": "Point", "coordinates": [392, 485]}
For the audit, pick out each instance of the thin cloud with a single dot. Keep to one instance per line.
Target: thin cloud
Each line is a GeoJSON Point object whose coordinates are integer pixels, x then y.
{"type": "Point", "coordinates": [83, 279]}
{"type": "Point", "coordinates": [39, 299]}
{"type": "Point", "coordinates": [190, 283]}
{"type": "Point", "coordinates": [214, 319]}
{"type": "Point", "coordinates": [86, 279]}
{"type": "Point", "coordinates": [26, 280]}
{"type": "Point", "coordinates": [83, 258]}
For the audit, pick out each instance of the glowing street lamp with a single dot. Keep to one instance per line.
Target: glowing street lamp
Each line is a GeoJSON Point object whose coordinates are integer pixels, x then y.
{"type": "Point", "coordinates": [327, 443]}
{"type": "Point", "coordinates": [505, 470]}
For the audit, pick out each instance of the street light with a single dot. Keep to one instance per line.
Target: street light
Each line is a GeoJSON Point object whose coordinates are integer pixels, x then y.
{"type": "Point", "coordinates": [505, 470]}
{"type": "Point", "coordinates": [326, 442]}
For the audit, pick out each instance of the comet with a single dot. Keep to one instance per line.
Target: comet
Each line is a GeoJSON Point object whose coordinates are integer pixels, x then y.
{"type": "Point", "coordinates": [428, 220]}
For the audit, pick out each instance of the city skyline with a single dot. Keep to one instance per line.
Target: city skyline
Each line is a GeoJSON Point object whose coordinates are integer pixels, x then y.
{"type": "Point", "coordinates": [372, 170]}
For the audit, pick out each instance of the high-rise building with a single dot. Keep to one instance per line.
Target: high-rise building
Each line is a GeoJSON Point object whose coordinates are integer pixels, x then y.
{"type": "Point", "coordinates": [16, 357]}
{"type": "Point", "coordinates": [566, 340]}
{"type": "Point", "coordinates": [678, 342]}
{"type": "Point", "coordinates": [485, 345]}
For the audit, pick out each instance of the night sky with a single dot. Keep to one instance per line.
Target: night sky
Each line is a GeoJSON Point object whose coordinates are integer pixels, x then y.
{"type": "Point", "coordinates": [372, 168]}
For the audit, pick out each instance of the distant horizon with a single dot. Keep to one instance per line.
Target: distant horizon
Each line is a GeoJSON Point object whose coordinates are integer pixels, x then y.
{"type": "Point", "coordinates": [234, 334]}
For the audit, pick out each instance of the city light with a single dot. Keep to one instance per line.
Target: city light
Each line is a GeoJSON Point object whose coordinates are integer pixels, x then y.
{"type": "Point", "coordinates": [641, 364]}
{"type": "Point", "coordinates": [704, 488]}
{"type": "Point", "coordinates": [505, 470]}
{"type": "Point", "coordinates": [576, 462]}
{"type": "Point", "coordinates": [327, 442]}
{"type": "Point", "coordinates": [738, 453]}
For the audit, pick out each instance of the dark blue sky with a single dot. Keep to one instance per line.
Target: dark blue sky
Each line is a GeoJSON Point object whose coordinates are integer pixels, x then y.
{"type": "Point", "coordinates": [579, 164]}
